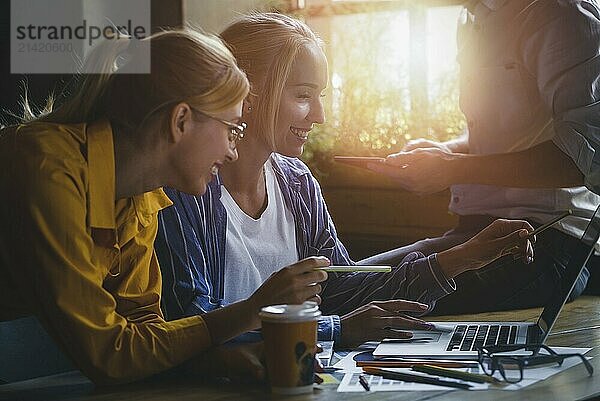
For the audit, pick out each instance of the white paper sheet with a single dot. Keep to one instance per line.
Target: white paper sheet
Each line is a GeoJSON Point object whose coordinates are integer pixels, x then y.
{"type": "Point", "coordinates": [325, 355]}
{"type": "Point", "coordinates": [350, 384]}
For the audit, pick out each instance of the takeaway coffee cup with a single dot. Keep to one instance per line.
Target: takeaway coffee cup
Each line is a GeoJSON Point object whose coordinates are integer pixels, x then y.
{"type": "Point", "coordinates": [290, 334]}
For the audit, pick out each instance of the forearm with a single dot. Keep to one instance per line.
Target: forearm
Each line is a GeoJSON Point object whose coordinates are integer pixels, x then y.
{"type": "Point", "coordinates": [418, 278]}
{"type": "Point", "coordinates": [543, 166]}
{"type": "Point", "coordinates": [231, 321]}
{"type": "Point", "coordinates": [459, 145]}
{"type": "Point", "coordinates": [454, 261]}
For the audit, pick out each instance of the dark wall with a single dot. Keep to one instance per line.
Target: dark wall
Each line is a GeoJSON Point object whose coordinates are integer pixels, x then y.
{"type": "Point", "coordinates": [164, 14]}
{"type": "Point", "coordinates": [11, 88]}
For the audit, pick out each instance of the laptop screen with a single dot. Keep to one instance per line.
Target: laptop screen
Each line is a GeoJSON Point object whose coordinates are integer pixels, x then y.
{"type": "Point", "coordinates": [577, 260]}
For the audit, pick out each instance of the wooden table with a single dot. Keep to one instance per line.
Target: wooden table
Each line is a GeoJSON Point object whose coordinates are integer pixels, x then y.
{"type": "Point", "coordinates": [573, 384]}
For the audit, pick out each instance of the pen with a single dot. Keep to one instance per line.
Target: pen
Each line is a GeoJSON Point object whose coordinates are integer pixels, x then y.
{"type": "Point", "coordinates": [544, 227]}
{"type": "Point", "coordinates": [351, 269]}
{"type": "Point", "coordinates": [364, 383]}
{"type": "Point", "coordinates": [408, 377]}
{"type": "Point", "coordinates": [454, 374]}
{"type": "Point", "coordinates": [549, 224]}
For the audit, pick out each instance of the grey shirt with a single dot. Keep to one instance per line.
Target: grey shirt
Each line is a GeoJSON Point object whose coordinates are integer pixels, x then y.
{"type": "Point", "coordinates": [529, 74]}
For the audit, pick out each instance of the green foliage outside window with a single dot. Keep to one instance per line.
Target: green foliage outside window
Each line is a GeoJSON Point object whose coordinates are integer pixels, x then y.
{"type": "Point", "coordinates": [371, 122]}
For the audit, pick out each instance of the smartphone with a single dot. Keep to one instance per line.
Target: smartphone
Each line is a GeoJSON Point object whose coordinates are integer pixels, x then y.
{"type": "Point", "coordinates": [358, 161]}
{"type": "Point", "coordinates": [550, 223]}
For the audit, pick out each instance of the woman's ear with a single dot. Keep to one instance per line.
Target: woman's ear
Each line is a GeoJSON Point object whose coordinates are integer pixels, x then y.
{"type": "Point", "coordinates": [247, 107]}
{"type": "Point", "coordinates": [181, 118]}
{"type": "Point", "coordinates": [249, 104]}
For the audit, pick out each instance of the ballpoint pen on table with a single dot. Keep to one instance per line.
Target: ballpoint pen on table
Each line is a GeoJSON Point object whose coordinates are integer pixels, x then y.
{"type": "Point", "coordinates": [408, 377]}
{"type": "Point", "coordinates": [454, 374]}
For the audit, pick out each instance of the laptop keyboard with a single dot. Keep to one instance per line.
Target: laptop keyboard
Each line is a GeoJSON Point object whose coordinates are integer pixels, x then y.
{"type": "Point", "coordinates": [467, 338]}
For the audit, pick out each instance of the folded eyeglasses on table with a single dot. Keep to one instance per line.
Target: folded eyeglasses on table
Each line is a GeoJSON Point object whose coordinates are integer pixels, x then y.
{"type": "Point", "coordinates": [498, 358]}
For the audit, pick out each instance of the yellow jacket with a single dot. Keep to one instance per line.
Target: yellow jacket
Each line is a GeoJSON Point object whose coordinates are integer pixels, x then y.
{"type": "Point", "coordinates": [82, 262]}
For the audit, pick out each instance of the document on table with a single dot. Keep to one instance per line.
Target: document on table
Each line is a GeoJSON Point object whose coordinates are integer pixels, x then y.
{"type": "Point", "coordinates": [376, 383]}
{"type": "Point", "coordinates": [325, 355]}
{"type": "Point", "coordinates": [531, 375]}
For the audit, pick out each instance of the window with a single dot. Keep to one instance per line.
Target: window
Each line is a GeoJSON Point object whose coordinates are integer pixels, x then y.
{"type": "Point", "coordinates": [393, 71]}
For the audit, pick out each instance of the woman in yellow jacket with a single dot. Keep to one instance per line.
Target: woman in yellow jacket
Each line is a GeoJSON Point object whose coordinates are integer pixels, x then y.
{"type": "Point", "coordinates": [81, 192]}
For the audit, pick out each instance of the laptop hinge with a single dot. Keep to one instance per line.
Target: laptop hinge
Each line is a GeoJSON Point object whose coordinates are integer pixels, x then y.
{"type": "Point", "coordinates": [534, 334]}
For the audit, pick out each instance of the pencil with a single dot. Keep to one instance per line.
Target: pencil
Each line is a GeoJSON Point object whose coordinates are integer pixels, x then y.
{"type": "Point", "coordinates": [351, 269]}
{"type": "Point", "coordinates": [454, 374]}
{"type": "Point", "coordinates": [411, 378]}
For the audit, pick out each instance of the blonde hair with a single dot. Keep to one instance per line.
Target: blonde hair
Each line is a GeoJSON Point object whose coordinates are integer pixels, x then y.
{"type": "Point", "coordinates": [265, 46]}
{"type": "Point", "coordinates": [185, 65]}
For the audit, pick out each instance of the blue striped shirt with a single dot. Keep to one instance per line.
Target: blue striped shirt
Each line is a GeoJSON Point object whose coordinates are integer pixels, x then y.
{"type": "Point", "coordinates": [191, 250]}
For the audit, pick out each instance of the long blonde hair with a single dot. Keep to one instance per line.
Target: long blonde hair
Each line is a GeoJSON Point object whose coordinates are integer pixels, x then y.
{"type": "Point", "coordinates": [185, 65]}
{"type": "Point", "coordinates": [265, 46]}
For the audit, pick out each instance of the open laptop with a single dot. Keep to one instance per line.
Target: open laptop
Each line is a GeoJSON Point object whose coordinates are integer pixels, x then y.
{"type": "Point", "coordinates": [461, 338]}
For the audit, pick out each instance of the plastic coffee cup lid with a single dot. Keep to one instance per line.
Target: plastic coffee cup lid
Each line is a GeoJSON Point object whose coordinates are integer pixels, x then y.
{"type": "Point", "coordinates": [291, 313]}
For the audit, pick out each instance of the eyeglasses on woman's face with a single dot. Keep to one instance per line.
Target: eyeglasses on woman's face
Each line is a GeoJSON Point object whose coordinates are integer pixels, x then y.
{"type": "Point", "coordinates": [498, 358]}
{"type": "Point", "coordinates": [236, 131]}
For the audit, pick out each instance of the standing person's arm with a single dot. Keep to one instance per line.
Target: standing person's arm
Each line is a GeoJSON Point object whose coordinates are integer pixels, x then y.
{"type": "Point", "coordinates": [432, 170]}
{"type": "Point", "coordinates": [567, 66]}
{"type": "Point", "coordinates": [457, 145]}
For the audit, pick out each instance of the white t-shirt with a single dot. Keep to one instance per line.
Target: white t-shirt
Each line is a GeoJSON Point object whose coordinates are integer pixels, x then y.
{"type": "Point", "coordinates": [256, 248]}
